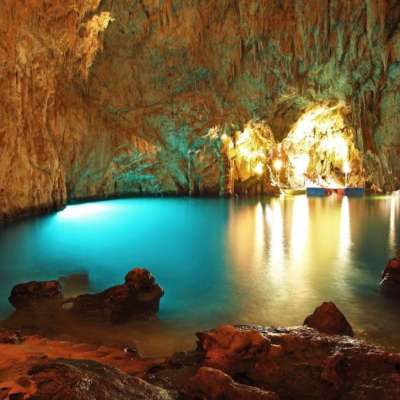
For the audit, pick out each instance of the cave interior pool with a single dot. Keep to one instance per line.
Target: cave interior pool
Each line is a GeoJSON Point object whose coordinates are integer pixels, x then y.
{"type": "Point", "coordinates": [267, 261]}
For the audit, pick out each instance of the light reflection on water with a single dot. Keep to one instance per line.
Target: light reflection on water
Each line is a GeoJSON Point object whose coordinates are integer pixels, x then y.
{"type": "Point", "coordinates": [268, 261]}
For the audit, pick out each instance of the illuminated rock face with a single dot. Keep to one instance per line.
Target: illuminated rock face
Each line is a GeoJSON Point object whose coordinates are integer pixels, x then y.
{"type": "Point", "coordinates": [103, 98]}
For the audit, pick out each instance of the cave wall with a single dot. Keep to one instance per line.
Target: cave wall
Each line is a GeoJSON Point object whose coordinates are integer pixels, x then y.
{"type": "Point", "coordinates": [109, 97]}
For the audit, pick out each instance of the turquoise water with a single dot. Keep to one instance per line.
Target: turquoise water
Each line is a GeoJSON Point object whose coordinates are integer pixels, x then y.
{"type": "Point", "coordinates": [266, 261]}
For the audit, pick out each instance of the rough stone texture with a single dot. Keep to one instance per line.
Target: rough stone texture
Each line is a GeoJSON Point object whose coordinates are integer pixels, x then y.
{"type": "Point", "coordinates": [9, 337]}
{"type": "Point", "coordinates": [138, 298]}
{"type": "Point", "coordinates": [390, 283]}
{"type": "Point", "coordinates": [33, 294]}
{"type": "Point", "coordinates": [295, 363]}
{"type": "Point", "coordinates": [89, 380]}
{"type": "Point", "coordinates": [232, 350]}
{"type": "Point", "coordinates": [327, 318]}
{"type": "Point", "coordinates": [20, 352]}
{"type": "Point", "coordinates": [104, 98]}
{"type": "Point", "coordinates": [300, 363]}
{"type": "Point", "coordinates": [213, 384]}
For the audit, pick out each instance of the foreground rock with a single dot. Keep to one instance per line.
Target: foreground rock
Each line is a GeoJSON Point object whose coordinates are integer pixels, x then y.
{"type": "Point", "coordinates": [327, 318]}
{"type": "Point", "coordinates": [213, 384]}
{"type": "Point", "coordinates": [231, 362]}
{"type": "Point", "coordinates": [89, 380]}
{"type": "Point", "coordinates": [301, 363]}
{"type": "Point", "coordinates": [138, 298]}
{"type": "Point", "coordinates": [390, 283]}
{"type": "Point", "coordinates": [9, 337]}
{"type": "Point", "coordinates": [26, 359]}
{"type": "Point", "coordinates": [33, 294]}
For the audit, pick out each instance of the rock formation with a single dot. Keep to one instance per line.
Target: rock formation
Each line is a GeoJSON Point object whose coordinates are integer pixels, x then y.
{"type": "Point", "coordinates": [213, 384]}
{"type": "Point", "coordinates": [327, 318]}
{"type": "Point", "coordinates": [77, 380]}
{"type": "Point", "coordinates": [390, 283]}
{"type": "Point", "coordinates": [34, 294]}
{"type": "Point", "coordinates": [230, 362]}
{"type": "Point", "coordinates": [300, 363]}
{"type": "Point", "coordinates": [138, 298]}
{"type": "Point", "coordinates": [100, 98]}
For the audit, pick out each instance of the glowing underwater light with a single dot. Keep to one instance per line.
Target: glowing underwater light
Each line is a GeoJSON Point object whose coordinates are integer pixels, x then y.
{"type": "Point", "coordinates": [82, 210]}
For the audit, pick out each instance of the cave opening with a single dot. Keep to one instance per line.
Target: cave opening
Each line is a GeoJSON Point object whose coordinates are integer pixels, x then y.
{"type": "Point", "coordinates": [318, 151]}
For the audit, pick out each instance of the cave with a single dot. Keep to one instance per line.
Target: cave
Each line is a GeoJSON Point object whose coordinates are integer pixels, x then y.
{"type": "Point", "coordinates": [225, 167]}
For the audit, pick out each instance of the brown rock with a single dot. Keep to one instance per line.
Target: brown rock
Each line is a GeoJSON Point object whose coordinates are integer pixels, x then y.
{"type": "Point", "coordinates": [390, 283]}
{"type": "Point", "coordinates": [139, 279]}
{"type": "Point", "coordinates": [231, 349]}
{"type": "Point", "coordinates": [327, 318]}
{"type": "Point", "coordinates": [390, 286]}
{"type": "Point", "coordinates": [10, 337]}
{"type": "Point", "coordinates": [138, 298]}
{"type": "Point", "coordinates": [213, 384]}
{"type": "Point", "coordinates": [309, 365]}
{"type": "Point", "coordinates": [35, 294]}
{"type": "Point", "coordinates": [89, 380]}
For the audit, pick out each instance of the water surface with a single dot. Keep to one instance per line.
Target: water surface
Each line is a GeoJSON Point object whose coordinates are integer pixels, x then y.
{"type": "Point", "coordinates": [265, 261]}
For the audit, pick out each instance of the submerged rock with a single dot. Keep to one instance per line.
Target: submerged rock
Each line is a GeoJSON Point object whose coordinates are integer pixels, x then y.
{"type": "Point", "coordinates": [327, 318]}
{"type": "Point", "coordinates": [89, 380]}
{"type": "Point", "coordinates": [390, 283]}
{"type": "Point", "coordinates": [34, 294]}
{"type": "Point", "coordinates": [138, 298]}
{"type": "Point", "coordinates": [213, 384]}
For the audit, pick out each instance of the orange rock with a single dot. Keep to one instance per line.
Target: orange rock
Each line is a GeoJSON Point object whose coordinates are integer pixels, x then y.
{"type": "Point", "coordinates": [231, 349]}
{"type": "Point", "coordinates": [327, 318]}
{"type": "Point", "coordinates": [213, 384]}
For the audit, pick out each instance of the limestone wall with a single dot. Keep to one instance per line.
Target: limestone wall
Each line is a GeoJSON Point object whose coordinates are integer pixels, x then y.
{"type": "Point", "coordinates": [106, 97]}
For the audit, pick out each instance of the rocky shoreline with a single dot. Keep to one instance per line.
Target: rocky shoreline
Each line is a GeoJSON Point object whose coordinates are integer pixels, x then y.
{"type": "Point", "coordinates": [230, 362]}
{"type": "Point", "coordinates": [319, 360]}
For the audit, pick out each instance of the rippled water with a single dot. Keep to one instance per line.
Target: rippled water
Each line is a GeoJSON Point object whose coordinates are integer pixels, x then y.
{"type": "Point", "coordinates": [267, 261]}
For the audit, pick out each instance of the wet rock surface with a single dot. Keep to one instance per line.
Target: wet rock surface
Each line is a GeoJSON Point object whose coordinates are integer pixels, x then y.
{"type": "Point", "coordinates": [233, 350]}
{"type": "Point", "coordinates": [138, 298]}
{"type": "Point", "coordinates": [390, 283]}
{"type": "Point", "coordinates": [231, 362]}
{"type": "Point", "coordinates": [10, 337]}
{"type": "Point", "coordinates": [213, 384]}
{"type": "Point", "coordinates": [89, 380]}
{"type": "Point", "coordinates": [30, 363]}
{"type": "Point", "coordinates": [33, 294]}
{"type": "Point", "coordinates": [327, 318]}
{"type": "Point", "coordinates": [301, 363]}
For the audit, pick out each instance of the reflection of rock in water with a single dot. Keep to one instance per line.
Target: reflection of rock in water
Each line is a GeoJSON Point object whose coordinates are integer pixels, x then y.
{"type": "Point", "coordinates": [74, 284]}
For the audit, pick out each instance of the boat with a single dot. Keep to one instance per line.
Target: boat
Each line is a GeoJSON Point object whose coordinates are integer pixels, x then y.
{"type": "Point", "coordinates": [294, 191]}
{"type": "Point", "coordinates": [317, 192]}
{"type": "Point", "coordinates": [354, 191]}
